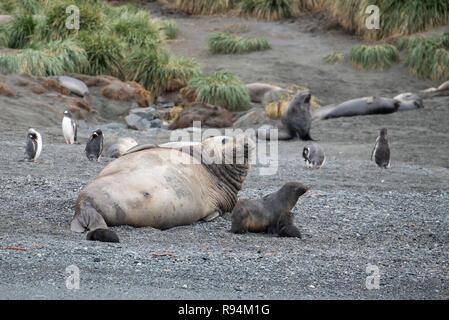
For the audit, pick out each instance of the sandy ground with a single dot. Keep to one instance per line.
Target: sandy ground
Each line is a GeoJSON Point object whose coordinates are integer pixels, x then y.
{"type": "Point", "coordinates": [355, 214]}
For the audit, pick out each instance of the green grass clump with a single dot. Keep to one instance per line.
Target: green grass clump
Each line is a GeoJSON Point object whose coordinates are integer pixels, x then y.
{"type": "Point", "coordinates": [20, 31]}
{"type": "Point", "coordinates": [399, 17]}
{"type": "Point", "coordinates": [428, 58]}
{"type": "Point", "coordinates": [373, 57]}
{"type": "Point", "coordinates": [136, 29]}
{"type": "Point", "coordinates": [221, 89]}
{"type": "Point", "coordinates": [269, 9]}
{"type": "Point", "coordinates": [226, 43]}
{"type": "Point", "coordinates": [44, 59]}
{"type": "Point", "coordinates": [333, 58]}
{"type": "Point", "coordinates": [156, 71]}
{"type": "Point", "coordinates": [104, 53]}
{"type": "Point", "coordinates": [205, 7]}
{"type": "Point", "coordinates": [169, 29]}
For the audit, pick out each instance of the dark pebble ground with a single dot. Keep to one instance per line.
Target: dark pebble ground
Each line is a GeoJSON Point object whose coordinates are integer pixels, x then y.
{"type": "Point", "coordinates": [354, 215]}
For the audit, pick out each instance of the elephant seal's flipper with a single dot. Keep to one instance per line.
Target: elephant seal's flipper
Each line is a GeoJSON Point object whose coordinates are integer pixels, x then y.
{"type": "Point", "coordinates": [140, 147]}
{"type": "Point", "coordinates": [87, 218]}
{"type": "Point", "coordinates": [103, 235]}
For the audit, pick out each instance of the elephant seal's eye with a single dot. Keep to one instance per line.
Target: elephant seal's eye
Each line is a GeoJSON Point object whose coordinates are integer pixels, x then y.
{"type": "Point", "coordinates": [224, 141]}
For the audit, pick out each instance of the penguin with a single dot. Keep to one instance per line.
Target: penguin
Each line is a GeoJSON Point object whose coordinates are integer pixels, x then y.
{"type": "Point", "coordinates": [94, 146]}
{"type": "Point", "coordinates": [34, 145]}
{"type": "Point", "coordinates": [314, 156]}
{"type": "Point", "coordinates": [381, 151]}
{"type": "Point", "coordinates": [69, 128]}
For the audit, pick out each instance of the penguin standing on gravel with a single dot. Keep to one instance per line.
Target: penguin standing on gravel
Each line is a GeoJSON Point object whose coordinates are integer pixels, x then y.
{"type": "Point", "coordinates": [69, 128]}
{"type": "Point", "coordinates": [314, 156]}
{"type": "Point", "coordinates": [34, 145]}
{"type": "Point", "coordinates": [94, 146]}
{"type": "Point", "coordinates": [381, 151]}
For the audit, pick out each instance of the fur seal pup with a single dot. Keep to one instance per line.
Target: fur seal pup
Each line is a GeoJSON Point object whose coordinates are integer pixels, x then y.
{"type": "Point", "coordinates": [69, 127]}
{"type": "Point", "coordinates": [381, 151]}
{"type": "Point", "coordinates": [104, 235]}
{"type": "Point", "coordinates": [409, 101]}
{"type": "Point", "coordinates": [33, 146]}
{"type": "Point", "coordinates": [295, 123]}
{"type": "Point", "coordinates": [75, 86]}
{"type": "Point", "coordinates": [357, 107]}
{"type": "Point", "coordinates": [94, 146]}
{"type": "Point", "coordinates": [165, 187]}
{"type": "Point", "coordinates": [314, 156]}
{"type": "Point", "coordinates": [270, 214]}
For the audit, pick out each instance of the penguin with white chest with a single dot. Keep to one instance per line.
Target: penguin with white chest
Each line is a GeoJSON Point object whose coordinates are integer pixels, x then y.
{"type": "Point", "coordinates": [34, 145]}
{"type": "Point", "coordinates": [314, 156]}
{"type": "Point", "coordinates": [94, 146]}
{"type": "Point", "coordinates": [381, 151]}
{"type": "Point", "coordinates": [69, 128]}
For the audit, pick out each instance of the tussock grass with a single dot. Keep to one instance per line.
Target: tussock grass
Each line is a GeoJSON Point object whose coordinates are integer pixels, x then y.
{"type": "Point", "coordinates": [45, 59]}
{"type": "Point", "coordinates": [334, 58]}
{"type": "Point", "coordinates": [227, 43]}
{"type": "Point", "coordinates": [205, 7]}
{"type": "Point", "coordinates": [104, 53]}
{"type": "Point", "coordinates": [136, 29]}
{"type": "Point", "coordinates": [20, 31]}
{"type": "Point", "coordinates": [428, 58]}
{"type": "Point", "coordinates": [157, 72]}
{"type": "Point", "coordinates": [169, 29]}
{"type": "Point", "coordinates": [398, 17]}
{"type": "Point", "coordinates": [269, 9]}
{"type": "Point", "coordinates": [221, 89]}
{"type": "Point", "coordinates": [373, 57]}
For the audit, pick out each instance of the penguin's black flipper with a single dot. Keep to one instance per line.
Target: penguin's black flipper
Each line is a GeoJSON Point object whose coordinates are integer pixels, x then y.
{"type": "Point", "coordinates": [104, 235]}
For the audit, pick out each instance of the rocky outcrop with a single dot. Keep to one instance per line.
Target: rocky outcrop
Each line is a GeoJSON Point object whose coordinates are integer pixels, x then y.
{"type": "Point", "coordinates": [209, 115]}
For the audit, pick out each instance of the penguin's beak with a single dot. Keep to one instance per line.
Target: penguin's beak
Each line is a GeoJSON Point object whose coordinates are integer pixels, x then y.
{"type": "Point", "coordinates": [61, 112]}
{"type": "Point", "coordinates": [35, 139]}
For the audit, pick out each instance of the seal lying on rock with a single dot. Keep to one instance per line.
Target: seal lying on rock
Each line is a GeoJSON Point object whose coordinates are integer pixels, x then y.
{"type": "Point", "coordinates": [270, 214]}
{"type": "Point", "coordinates": [75, 86]}
{"type": "Point", "coordinates": [357, 107]}
{"type": "Point", "coordinates": [165, 187]}
{"type": "Point", "coordinates": [264, 93]}
{"type": "Point", "coordinates": [295, 123]}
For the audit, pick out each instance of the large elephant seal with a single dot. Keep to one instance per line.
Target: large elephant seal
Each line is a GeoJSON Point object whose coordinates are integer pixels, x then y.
{"type": "Point", "coordinates": [409, 101]}
{"type": "Point", "coordinates": [120, 146]}
{"type": "Point", "coordinates": [442, 90]}
{"type": "Point", "coordinates": [295, 123]}
{"type": "Point", "coordinates": [166, 187]}
{"type": "Point", "coordinates": [357, 107]}
{"type": "Point", "coordinates": [75, 86]}
{"type": "Point", "coordinates": [270, 214]}
{"type": "Point", "coordinates": [264, 93]}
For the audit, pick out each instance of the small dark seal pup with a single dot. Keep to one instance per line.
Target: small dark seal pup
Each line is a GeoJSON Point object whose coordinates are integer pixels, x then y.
{"type": "Point", "coordinates": [314, 156]}
{"type": "Point", "coordinates": [381, 151]}
{"type": "Point", "coordinates": [104, 235]}
{"type": "Point", "coordinates": [295, 123]}
{"type": "Point", "coordinates": [34, 145]}
{"type": "Point", "coordinates": [94, 146]}
{"type": "Point", "coordinates": [270, 214]}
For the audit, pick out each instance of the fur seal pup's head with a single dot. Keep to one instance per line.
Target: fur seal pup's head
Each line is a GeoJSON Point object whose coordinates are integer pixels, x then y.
{"type": "Point", "coordinates": [285, 198]}
{"type": "Point", "coordinates": [297, 119]}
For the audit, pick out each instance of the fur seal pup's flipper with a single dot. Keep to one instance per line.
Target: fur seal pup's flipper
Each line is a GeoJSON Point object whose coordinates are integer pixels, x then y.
{"type": "Point", "coordinates": [286, 228]}
{"type": "Point", "coordinates": [104, 235]}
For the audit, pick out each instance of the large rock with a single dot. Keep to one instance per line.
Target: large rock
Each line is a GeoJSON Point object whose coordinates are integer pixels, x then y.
{"type": "Point", "coordinates": [208, 115]}
{"type": "Point", "coordinates": [143, 118]}
{"type": "Point", "coordinates": [127, 91]}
